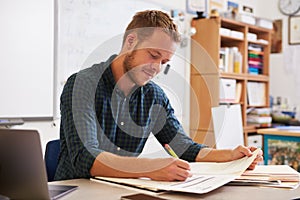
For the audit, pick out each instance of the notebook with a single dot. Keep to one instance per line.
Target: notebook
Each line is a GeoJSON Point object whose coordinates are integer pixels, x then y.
{"type": "Point", "coordinates": [22, 169]}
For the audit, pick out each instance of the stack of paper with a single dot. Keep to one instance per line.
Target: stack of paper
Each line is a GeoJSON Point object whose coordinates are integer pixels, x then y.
{"type": "Point", "coordinates": [270, 176]}
{"type": "Point", "coordinates": [260, 116]}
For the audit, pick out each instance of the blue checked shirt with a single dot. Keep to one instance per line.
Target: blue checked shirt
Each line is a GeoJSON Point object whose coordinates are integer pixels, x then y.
{"type": "Point", "coordinates": [97, 117]}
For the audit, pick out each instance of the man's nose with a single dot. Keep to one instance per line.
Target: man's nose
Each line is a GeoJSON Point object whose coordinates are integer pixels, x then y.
{"type": "Point", "coordinates": [156, 66]}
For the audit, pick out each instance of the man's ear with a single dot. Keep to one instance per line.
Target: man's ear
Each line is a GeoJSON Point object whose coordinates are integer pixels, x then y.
{"type": "Point", "coordinates": [131, 41]}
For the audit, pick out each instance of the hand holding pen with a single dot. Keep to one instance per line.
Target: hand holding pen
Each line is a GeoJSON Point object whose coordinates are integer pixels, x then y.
{"type": "Point", "coordinates": [178, 169]}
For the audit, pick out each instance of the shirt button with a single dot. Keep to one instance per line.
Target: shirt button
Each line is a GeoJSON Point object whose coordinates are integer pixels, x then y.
{"type": "Point", "coordinates": [118, 148]}
{"type": "Point", "coordinates": [122, 123]}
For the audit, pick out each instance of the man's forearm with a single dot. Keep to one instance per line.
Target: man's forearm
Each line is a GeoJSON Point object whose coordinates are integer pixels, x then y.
{"type": "Point", "coordinates": [111, 165]}
{"type": "Point", "coordinates": [214, 155]}
{"type": "Point", "coordinates": [100, 169]}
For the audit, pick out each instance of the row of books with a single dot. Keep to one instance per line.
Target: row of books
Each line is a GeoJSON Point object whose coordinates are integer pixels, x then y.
{"type": "Point", "coordinates": [255, 59]}
{"type": "Point", "coordinates": [230, 60]}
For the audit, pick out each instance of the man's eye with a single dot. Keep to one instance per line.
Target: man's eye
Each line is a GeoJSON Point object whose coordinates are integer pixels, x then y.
{"type": "Point", "coordinates": [154, 56]}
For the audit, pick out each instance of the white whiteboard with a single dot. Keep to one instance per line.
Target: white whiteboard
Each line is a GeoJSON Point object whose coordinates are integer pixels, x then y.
{"type": "Point", "coordinates": [26, 64]}
{"type": "Point", "coordinates": [89, 31]}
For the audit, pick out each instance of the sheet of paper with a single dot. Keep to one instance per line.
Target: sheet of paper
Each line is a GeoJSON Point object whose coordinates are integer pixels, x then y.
{"type": "Point", "coordinates": [153, 149]}
{"type": "Point", "coordinates": [198, 184]}
{"type": "Point", "coordinates": [272, 169]}
{"type": "Point", "coordinates": [232, 167]}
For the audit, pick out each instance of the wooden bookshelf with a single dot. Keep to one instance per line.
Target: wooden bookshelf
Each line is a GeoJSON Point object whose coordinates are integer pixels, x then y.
{"type": "Point", "coordinates": [205, 72]}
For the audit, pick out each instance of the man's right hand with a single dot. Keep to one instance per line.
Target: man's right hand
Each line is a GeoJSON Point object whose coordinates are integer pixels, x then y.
{"type": "Point", "coordinates": [170, 169]}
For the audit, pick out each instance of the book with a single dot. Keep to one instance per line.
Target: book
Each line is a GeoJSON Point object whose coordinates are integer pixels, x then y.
{"type": "Point", "coordinates": [207, 176]}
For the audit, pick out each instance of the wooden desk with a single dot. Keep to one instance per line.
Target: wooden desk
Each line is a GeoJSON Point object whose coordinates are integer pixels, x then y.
{"type": "Point", "coordinates": [275, 131]}
{"type": "Point", "coordinates": [280, 146]}
{"type": "Point", "coordinates": [90, 190]}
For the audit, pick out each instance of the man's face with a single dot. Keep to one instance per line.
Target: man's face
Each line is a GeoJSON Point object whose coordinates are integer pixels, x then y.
{"type": "Point", "coordinates": [145, 61]}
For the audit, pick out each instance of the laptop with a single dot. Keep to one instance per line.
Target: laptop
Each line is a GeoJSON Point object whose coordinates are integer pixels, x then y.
{"type": "Point", "coordinates": [22, 168]}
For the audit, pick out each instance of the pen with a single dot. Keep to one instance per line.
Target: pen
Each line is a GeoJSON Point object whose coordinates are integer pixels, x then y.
{"type": "Point", "coordinates": [170, 150]}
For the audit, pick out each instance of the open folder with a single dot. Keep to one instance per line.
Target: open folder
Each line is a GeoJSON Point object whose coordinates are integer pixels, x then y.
{"type": "Point", "coordinates": [207, 176]}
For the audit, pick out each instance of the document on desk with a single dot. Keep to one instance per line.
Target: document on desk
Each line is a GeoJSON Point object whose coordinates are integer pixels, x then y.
{"type": "Point", "coordinates": [207, 176]}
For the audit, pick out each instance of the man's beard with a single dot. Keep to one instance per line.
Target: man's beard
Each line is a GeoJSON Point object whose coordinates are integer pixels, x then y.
{"type": "Point", "coordinates": [128, 66]}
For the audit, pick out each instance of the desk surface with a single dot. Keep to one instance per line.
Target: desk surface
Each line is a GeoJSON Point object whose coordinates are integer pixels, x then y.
{"type": "Point", "coordinates": [101, 190]}
{"type": "Point", "coordinates": [275, 131]}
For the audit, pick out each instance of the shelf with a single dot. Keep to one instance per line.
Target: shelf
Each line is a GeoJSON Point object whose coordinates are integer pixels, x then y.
{"type": "Point", "coordinates": [260, 106]}
{"type": "Point", "coordinates": [245, 76]}
{"type": "Point", "coordinates": [209, 37]}
{"type": "Point", "coordinates": [258, 29]}
{"type": "Point", "coordinates": [230, 23]}
{"type": "Point", "coordinates": [237, 76]}
{"type": "Point", "coordinates": [250, 128]}
{"type": "Point", "coordinates": [257, 78]}
{"type": "Point", "coordinates": [225, 38]}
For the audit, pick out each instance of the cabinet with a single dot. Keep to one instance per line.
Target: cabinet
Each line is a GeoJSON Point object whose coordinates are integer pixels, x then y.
{"type": "Point", "coordinates": [277, 142]}
{"type": "Point", "coordinates": [213, 36]}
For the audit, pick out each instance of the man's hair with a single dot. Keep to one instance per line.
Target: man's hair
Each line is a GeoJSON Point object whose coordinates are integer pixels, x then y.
{"type": "Point", "coordinates": [145, 22]}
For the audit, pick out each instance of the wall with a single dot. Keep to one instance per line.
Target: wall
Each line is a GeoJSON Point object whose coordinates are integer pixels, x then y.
{"type": "Point", "coordinates": [283, 80]}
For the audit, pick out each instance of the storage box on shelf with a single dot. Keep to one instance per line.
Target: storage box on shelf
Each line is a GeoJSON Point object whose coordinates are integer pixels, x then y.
{"type": "Point", "coordinates": [239, 52]}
